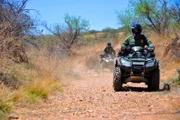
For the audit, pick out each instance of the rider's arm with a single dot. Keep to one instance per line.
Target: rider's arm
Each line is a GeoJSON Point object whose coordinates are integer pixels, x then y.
{"type": "Point", "coordinates": [105, 50]}
{"type": "Point", "coordinates": [149, 45]}
{"type": "Point", "coordinates": [125, 43]}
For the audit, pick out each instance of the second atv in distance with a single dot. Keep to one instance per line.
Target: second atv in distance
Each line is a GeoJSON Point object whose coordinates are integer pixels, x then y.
{"type": "Point", "coordinates": [136, 67]}
{"type": "Point", "coordinates": [107, 62]}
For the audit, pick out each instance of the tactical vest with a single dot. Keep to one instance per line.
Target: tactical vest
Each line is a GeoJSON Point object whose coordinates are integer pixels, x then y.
{"type": "Point", "coordinates": [142, 41]}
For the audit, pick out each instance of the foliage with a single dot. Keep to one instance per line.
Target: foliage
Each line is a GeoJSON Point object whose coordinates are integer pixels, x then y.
{"type": "Point", "coordinates": [127, 19]}
{"type": "Point", "coordinates": [68, 34]}
{"type": "Point", "coordinates": [175, 11]}
{"type": "Point", "coordinates": [15, 26]}
{"type": "Point", "coordinates": [176, 81]}
{"type": "Point", "coordinates": [155, 14]}
{"type": "Point", "coordinates": [93, 31]}
{"type": "Point", "coordinates": [40, 89]}
{"type": "Point", "coordinates": [108, 29]}
{"type": "Point", "coordinates": [6, 99]}
{"type": "Point", "coordinates": [2, 116]}
{"type": "Point", "coordinates": [110, 34]}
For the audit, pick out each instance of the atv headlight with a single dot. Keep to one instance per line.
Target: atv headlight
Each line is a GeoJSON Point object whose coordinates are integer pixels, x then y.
{"type": "Point", "coordinates": [126, 62]}
{"type": "Point", "coordinates": [150, 63]}
{"type": "Point", "coordinates": [107, 60]}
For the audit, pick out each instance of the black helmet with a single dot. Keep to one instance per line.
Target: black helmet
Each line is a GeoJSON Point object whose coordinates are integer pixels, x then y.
{"type": "Point", "coordinates": [109, 43]}
{"type": "Point", "coordinates": [136, 29]}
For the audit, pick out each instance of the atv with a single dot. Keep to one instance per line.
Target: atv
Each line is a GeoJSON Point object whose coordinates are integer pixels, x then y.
{"type": "Point", "coordinates": [136, 67]}
{"type": "Point", "coordinates": [107, 62]}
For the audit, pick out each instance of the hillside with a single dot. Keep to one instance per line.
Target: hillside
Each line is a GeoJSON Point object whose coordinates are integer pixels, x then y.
{"type": "Point", "coordinates": [88, 93]}
{"type": "Point", "coordinates": [50, 64]}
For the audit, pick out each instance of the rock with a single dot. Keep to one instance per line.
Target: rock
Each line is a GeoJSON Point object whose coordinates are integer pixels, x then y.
{"type": "Point", "coordinates": [80, 100]}
{"type": "Point", "coordinates": [12, 117]}
{"type": "Point", "coordinates": [95, 75]}
{"type": "Point", "coordinates": [104, 90]}
{"type": "Point", "coordinates": [89, 111]}
{"type": "Point", "coordinates": [106, 70]}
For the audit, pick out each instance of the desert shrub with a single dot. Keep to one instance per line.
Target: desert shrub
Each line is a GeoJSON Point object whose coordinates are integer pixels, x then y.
{"type": "Point", "coordinates": [68, 33]}
{"type": "Point", "coordinates": [41, 89]}
{"type": "Point", "coordinates": [176, 80]}
{"type": "Point", "coordinates": [11, 74]}
{"type": "Point", "coordinates": [6, 99]}
{"type": "Point", "coordinates": [15, 27]}
{"type": "Point", "coordinates": [2, 116]}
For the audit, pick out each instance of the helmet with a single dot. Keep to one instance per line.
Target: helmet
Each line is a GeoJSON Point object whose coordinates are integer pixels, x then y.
{"type": "Point", "coordinates": [109, 43]}
{"type": "Point", "coordinates": [136, 29]}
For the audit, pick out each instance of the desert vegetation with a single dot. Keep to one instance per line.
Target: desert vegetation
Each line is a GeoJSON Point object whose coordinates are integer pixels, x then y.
{"type": "Point", "coordinates": [33, 66]}
{"type": "Point", "coordinates": [159, 16]}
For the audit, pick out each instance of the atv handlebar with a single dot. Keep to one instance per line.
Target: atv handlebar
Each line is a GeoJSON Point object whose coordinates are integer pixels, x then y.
{"type": "Point", "coordinates": [149, 49]}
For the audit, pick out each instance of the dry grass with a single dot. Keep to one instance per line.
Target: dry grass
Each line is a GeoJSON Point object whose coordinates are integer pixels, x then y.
{"type": "Point", "coordinates": [52, 66]}
{"type": "Point", "coordinates": [6, 99]}
{"type": "Point", "coordinates": [38, 79]}
{"type": "Point", "coordinates": [45, 74]}
{"type": "Point", "coordinates": [3, 116]}
{"type": "Point", "coordinates": [41, 89]}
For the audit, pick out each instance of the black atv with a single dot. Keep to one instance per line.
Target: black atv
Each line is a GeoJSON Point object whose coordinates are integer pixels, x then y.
{"type": "Point", "coordinates": [136, 67]}
{"type": "Point", "coordinates": [107, 62]}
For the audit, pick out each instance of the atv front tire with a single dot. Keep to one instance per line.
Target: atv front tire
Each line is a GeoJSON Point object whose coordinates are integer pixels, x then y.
{"type": "Point", "coordinates": [154, 82]}
{"type": "Point", "coordinates": [117, 79]}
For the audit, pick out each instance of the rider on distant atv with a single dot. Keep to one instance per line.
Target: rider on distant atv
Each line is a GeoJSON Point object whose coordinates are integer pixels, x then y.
{"type": "Point", "coordinates": [137, 39]}
{"type": "Point", "coordinates": [108, 51]}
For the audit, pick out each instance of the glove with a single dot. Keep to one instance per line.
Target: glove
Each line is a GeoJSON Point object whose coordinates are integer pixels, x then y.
{"type": "Point", "coordinates": [123, 48]}
{"type": "Point", "coordinates": [121, 53]}
{"type": "Point", "coordinates": [128, 48]}
{"type": "Point", "coordinates": [149, 49]}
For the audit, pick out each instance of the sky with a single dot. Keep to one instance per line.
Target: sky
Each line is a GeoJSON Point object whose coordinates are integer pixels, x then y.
{"type": "Point", "coordinates": [100, 13]}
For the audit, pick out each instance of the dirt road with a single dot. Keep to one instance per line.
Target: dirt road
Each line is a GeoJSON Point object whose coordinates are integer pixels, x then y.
{"type": "Point", "coordinates": [91, 97]}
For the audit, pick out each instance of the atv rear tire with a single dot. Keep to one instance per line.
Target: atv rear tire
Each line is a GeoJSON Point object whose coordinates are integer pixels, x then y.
{"type": "Point", "coordinates": [117, 79]}
{"type": "Point", "coordinates": [153, 84]}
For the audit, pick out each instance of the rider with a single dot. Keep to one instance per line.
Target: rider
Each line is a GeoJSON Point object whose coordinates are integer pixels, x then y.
{"type": "Point", "coordinates": [108, 50]}
{"type": "Point", "coordinates": [137, 39]}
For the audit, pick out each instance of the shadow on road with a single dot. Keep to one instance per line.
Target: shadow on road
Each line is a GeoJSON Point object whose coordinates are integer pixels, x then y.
{"type": "Point", "coordinates": [135, 89]}
{"type": "Point", "coordinates": [166, 87]}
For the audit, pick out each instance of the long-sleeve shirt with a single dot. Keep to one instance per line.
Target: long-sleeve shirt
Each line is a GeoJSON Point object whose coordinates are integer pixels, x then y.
{"type": "Point", "coordinates": [142, 41]}
{"type": "Point", "coordinates": [109, 50]}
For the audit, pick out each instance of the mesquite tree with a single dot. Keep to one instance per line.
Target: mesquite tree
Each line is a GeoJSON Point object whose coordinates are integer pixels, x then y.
{"type": "Point", "coordinates": [158, 15]}
{"type": "Point", "coordinates": [68, 32]}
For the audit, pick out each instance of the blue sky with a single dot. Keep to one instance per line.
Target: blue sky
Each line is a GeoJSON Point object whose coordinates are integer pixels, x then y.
{"type": "Point", "coordinates": [99, 13]}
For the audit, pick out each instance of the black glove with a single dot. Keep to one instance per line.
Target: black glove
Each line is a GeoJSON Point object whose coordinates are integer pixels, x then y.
{"type": "Point", "coordinates": [120, 53]}
{"type": "Point", "coordinates": [123, 48]}
{"type": "Point", "coordinates": [128, 48]}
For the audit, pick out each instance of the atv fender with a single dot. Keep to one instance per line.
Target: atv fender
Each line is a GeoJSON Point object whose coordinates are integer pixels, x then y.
{"type": "Point", "coordinates": [117, 61]}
